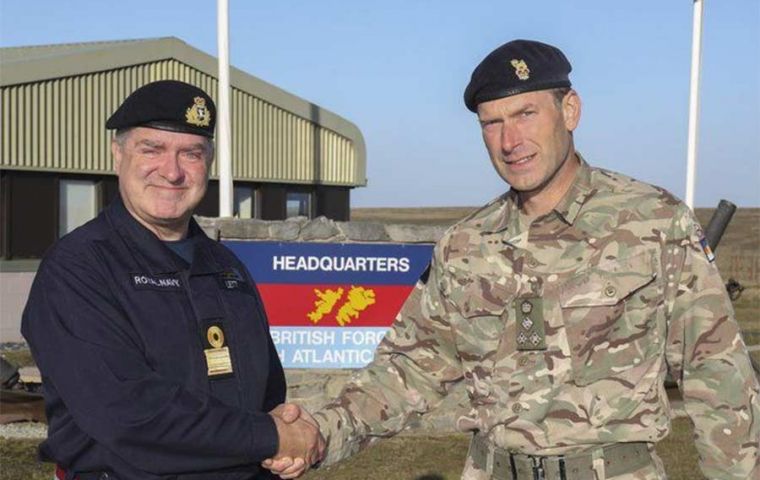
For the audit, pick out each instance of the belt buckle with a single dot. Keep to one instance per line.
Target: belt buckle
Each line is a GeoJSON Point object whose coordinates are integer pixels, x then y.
{"type": "Point", "coordinates": [538, 468]}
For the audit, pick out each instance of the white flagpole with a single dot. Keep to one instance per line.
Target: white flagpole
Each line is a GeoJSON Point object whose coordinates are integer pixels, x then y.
{"type": "Point", "coordinates": [223, 111]}
{"type": "Point", "coordinates": [696, 57]}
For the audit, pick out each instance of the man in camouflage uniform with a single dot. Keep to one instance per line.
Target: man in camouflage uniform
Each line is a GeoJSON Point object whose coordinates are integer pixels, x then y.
{"type": "Point", "coordinates": [561, 305]}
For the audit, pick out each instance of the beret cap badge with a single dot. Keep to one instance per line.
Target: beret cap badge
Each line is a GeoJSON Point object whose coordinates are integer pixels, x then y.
{"type": "Point", "coordinates": [505, 72]}
{"type": "Point", "coordinates": [198, 114]}
{"type": "Point", "coordinates": [521, 69]}
{"type": "Point", "coordinates": [168, 105]}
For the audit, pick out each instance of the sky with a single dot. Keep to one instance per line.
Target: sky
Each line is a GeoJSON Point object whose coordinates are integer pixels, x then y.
{"type": "Point", "coordinates": [398, 68]}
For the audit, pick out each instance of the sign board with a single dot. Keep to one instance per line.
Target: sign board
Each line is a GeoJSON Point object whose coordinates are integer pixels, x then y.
{"type": "Point", "coordinates": [330, 304]}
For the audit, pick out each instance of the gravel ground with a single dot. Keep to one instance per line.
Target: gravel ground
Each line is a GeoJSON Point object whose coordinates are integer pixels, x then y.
{"type": "Point", "coordinates": [13, 346]}
{"type": "Point", "coordinates": [23, 430]}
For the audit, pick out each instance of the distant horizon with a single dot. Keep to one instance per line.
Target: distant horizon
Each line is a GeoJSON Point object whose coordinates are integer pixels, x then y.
{"type": "Point", "coordinates": [443, 207]}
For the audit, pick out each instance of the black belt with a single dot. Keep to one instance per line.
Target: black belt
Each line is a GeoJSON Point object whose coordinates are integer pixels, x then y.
{"type": "Point", "coordinates": [619, 458]}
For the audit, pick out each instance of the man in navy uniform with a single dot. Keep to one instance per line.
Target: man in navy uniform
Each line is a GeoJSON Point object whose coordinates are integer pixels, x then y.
{"type": "Point", "coordinates": [151, 338]}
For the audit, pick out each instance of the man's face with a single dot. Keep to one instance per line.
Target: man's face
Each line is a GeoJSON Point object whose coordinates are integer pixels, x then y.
{"type": "Point", "coordinates": [162, 175]}
{"type": "Point", "coordinates": [528, 136]}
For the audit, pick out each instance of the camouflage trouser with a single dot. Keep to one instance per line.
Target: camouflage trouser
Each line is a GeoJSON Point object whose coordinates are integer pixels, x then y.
{"type": "Point", "coordinates": [654, 471]}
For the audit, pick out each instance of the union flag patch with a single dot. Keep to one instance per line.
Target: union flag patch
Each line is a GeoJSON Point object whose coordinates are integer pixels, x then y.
{"type": "Point", "coordinates": [706, 248]}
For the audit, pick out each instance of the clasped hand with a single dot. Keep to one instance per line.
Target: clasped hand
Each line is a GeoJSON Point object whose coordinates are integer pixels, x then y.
{"type": "Point", "coordinates": [301, 444]}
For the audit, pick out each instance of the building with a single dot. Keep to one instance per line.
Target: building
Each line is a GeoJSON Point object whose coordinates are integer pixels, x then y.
{"type": "Point", "coordinates": [289, 156]}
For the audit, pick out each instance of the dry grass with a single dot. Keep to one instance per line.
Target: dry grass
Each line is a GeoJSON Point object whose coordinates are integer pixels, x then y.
{"type": "Point", "coordinates": [743, 233]}
{"type": "Point", "coordinates": [18, 461]}
{"type": "Point", "coordinates": [418, 216]}
{"type": "Point", "coordinates": [20, 358]}
{"type": "Point", "coordinates": [401, 458]}
{"type": "Point", "coordinates": [747, 310]}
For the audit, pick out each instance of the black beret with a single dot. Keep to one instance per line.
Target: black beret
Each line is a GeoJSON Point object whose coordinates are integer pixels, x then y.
{"type": "Point", "coordinates": [517, 67]}
{"type": "Point", "coordinates": [167, 105]}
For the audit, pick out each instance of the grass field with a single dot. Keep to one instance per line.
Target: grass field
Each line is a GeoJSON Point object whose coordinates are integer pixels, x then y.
{"type": "Point", "coordinates": [402, 458]}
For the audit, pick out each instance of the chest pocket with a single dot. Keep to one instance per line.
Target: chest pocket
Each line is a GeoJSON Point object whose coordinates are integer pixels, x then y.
{"type": "Point", "coordinates": [610, 313]}
{"type": "Point", "coordinates": [483, 301]}
{"type": "Point", "coordinates": [481, 332]}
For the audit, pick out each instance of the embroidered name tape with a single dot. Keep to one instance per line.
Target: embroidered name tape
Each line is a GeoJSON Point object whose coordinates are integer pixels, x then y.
{"type": "Point", "coordinates": [155, 282]}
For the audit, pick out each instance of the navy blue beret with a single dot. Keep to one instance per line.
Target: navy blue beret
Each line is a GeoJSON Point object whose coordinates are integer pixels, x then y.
{"type": "Point", "coordinates": [167, 105]}
{"type": "Point", "coordinates": [517, 67]}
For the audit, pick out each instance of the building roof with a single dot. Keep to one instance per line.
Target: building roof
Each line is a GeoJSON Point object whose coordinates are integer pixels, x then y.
{"type": "Point", "coordinates": [30, 64]}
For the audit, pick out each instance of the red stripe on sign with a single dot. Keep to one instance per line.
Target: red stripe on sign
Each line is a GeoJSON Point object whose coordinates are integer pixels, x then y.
{"type": "Point", "coordinates": [333, 305]}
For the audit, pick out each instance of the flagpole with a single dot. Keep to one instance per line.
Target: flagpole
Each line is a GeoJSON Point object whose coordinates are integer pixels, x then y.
{"type": "Point", "coordinates": [696, 58]}
{"type": "Point", "coordinates": [223, 111]}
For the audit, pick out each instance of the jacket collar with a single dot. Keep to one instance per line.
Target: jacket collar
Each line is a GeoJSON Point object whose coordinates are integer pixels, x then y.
{"type": "Point", "coordinates": [581, 190]}
{"type": "Point", "coordinates": [508, 216]}
{"type": "Point", "coordinates": [150, 251]}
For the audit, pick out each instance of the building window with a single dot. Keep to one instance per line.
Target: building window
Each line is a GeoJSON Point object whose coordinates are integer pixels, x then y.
{"type": "Point", "coordinates": [243, 203]}
{"type": "Point", "coordinates": [77, 204]}
{"type": "Point", "coordinates": [298, 204]}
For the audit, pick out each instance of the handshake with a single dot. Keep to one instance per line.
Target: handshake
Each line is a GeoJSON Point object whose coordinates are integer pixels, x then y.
{"type": "Point", "coordinates": [301, 445]}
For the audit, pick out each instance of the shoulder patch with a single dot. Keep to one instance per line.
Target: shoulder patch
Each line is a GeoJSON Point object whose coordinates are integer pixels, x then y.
{"type": "Point", "coordinates": [699, 234]}
{"type": "Point", "coordinates": [706, 248]}
{"type": "Point", "coordinates": [232, 279]}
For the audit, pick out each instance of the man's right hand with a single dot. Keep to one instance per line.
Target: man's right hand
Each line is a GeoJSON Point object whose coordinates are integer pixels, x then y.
{"type": "Point", "coordinates": [300, 442]}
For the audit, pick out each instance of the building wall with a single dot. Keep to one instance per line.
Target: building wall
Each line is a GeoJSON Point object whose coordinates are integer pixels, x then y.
{"type": "Point", "coordinates": [334, 203]}
{"type": "Point", "coordinates": [30, 206]}
{"type": "Point", "coordinates": [58, 125]}
{"type": "Point", "coordinates": [288, 152]}
{"type": "Point", "coordinates": [31, 209]}
{"type": "Point", "coordinates": [271, 199]}
{"type": "Point", "coordinates": [14, 290]}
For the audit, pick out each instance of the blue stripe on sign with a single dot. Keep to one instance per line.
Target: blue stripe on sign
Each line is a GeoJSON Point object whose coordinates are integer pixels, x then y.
{"type": "Point", "coordinates": [326, 347]}
{"type": "Point", "coordinates": [333, 263]}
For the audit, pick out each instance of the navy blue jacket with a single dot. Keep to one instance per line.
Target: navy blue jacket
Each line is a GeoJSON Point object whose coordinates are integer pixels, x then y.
{"type": "Point", "coordinates": [117, 324]}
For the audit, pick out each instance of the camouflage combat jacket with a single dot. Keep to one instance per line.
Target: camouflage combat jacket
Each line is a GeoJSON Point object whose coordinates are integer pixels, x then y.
{"type": "Point", "coordinates": [563, 329]}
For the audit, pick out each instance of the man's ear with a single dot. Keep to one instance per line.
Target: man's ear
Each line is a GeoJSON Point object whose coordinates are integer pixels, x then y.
{"type": "Point", "coordinates": [117, 154]}
{"type": "Point", "coordinates": [571, 110]}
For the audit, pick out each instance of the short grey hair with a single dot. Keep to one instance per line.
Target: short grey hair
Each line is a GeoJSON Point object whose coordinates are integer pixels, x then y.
{"type": "Point", "coordinates": [559, 95]}
{"type": "Point", "coordinates": [122, 135]}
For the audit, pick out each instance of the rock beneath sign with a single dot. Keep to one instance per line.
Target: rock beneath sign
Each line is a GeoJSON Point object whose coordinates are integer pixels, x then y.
{"type": "Point", "coordinates": [408, 233]}
{"type": "Point", "coordinates": [233, 228]}
{"type": "Point", "coordinates": [321, 228]}
{"type": "Point", "coordinates": [209, 226]}
{"type": "Point", "coordinates": [364, 231]}
{"type": "Point", "coordinates": [288, 230]}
